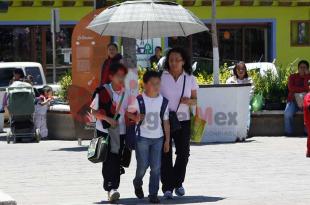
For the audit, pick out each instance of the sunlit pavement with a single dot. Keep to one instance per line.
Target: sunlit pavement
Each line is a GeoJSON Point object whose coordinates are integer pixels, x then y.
{"type": "Point", "coordinates": [263, 170]}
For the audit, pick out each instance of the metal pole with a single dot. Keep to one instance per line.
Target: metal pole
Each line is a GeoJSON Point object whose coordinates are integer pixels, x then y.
{"type": "Point", "coordinates": [216, 58]}
{"type": "Point", "coordinates": [54, 44]}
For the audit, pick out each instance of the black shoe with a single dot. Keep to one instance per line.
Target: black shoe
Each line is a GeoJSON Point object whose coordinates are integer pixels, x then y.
{"type": "Point", "coordinates": [139, 193]}
{"type": "Point", "coordinates": [153, 199]}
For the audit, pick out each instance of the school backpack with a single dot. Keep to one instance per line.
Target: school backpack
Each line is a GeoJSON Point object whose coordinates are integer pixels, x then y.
{"type": "Point", "coordinates": [133, 130]}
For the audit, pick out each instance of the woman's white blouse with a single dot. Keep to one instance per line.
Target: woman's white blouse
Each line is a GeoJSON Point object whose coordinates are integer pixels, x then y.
{"type": "Point", "coordinates": [172, 90]}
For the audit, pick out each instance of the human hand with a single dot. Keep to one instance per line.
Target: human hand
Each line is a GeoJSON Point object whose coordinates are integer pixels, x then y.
{"type": "Point", "coordinates": [166, 146]}
{"type": "Point", "coordinates": [186, 100]}
{"type": "Point", "coordinates": [139, 118]}
{"type": "Point", "coordinates": [112, 122]}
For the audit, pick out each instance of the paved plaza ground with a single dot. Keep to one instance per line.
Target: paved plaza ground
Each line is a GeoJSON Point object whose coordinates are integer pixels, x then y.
{"type": "Point", "coordinates": [263, 170]}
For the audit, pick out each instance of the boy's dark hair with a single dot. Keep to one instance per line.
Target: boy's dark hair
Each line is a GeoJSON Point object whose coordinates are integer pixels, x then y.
{"type": "Point", "coordinates": [115, 67]}
{"type": "Point", "coordinates": [303, 62]}
{"type": "Point", "coordinates": [158, 47]}
{"type": "Point", "coordinates": [113, 44]}
{"type": "Point", "coordinates": [47, 89]}
{"type": "Point", "coordinates": [150, 74]}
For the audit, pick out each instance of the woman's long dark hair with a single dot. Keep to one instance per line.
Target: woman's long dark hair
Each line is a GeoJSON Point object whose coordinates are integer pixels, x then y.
{"type": "Point", "coordinates": [246, 70]}
{"type": "Point", "coordinates": [187, 65]}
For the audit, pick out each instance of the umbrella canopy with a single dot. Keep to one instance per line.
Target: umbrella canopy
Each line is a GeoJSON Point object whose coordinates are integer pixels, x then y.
{"type": "Point", "coordinates": [146, 19]}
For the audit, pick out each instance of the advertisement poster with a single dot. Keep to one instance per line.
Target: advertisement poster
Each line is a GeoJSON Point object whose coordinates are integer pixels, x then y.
{"type": "Point", "coordinates": [226, 111]}
{"type": "Point", "coordinates": [145, 49]}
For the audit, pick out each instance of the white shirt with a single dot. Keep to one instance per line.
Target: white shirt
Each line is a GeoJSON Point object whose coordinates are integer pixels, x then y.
{"type": "Point", "coordinates": [172, 90]}
{"type": "Point", "coordinates": [151, 126]}
{"type": "Point", "coordinates": [235, 80]}
{"type": "Point", "coordinates": [116, 99]}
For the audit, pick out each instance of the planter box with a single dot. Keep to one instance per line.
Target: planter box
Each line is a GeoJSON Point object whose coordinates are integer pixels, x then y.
{"type": "Point", "coordinates": [62, 126]}
{"type": "Point", "coordinates": [60, 123]}
{"type": "Point", "coordinates": [271, 123]}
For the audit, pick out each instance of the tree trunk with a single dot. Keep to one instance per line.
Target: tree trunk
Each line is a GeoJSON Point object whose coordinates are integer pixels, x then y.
{"type": "Point", "coordinates": [216, 58]}
{"type": "Point", "coordinates": [129, 52]}
{"type": "Point", "coordinates": [130, 61]}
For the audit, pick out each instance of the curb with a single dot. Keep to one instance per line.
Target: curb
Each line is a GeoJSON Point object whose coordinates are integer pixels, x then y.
{"type": "Point", "coordinates": [6, 199]}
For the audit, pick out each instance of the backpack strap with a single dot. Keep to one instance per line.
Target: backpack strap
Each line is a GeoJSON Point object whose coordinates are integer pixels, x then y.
{"type": "Point", "coordinates": [108, 89]}
{"type": "Point", "coordinates": [142, 111]}
{"type": "Point", "coordinates": [163, 108]}
{"type": "Point", "coordinates": [141, 104]}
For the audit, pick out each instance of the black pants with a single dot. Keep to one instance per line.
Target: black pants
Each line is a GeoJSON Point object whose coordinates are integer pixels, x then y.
{"type": "Point", "coordinates": [172, 176]}
{"type": "Point", "coordinates": [111, 168]}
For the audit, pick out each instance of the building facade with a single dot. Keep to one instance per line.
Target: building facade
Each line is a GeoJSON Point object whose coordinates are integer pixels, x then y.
{"type": "Point", "coordinates": [255, 30]}
{"type": "Point", "coordinates": [248, 30]}
{"type": "Point", "coordinates": [25, 33]}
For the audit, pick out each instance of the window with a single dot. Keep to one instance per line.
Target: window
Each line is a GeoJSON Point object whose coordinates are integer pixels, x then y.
{"type": "Point", "coordinates": [36, 74]}
{"type": "Point", "coordinates": [6, 75]}
{"type": "Point", "coordinates": [300, 33]}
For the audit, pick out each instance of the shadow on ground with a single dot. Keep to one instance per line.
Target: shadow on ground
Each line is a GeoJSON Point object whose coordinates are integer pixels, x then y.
{"type": "Point", "coordinates": [176, 200]}
{"type": "Point", "coordinates": [72, 149]}
{"type": "Point", "coordinates": [220, 143]}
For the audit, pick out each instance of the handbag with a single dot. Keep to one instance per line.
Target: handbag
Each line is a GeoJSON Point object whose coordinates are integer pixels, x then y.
{"type": "Point", "coordinates": [99, 145]}
{"type": "Point", "coordinates": [126, 157]}
{"type": "Point", "coordinates": [299, 99]}
{"type": "Point", "coordinates": [98, 148]}
{"type": "Point", "coordinates": [257, 102]}
{"type": "Point", "coordinates": [175, 124]}
{"type": "Point", "coordinates": [197, 127]}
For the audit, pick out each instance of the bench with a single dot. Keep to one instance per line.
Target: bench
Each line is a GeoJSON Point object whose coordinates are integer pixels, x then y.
{"type": "Point", "coordinates": [271, 123]}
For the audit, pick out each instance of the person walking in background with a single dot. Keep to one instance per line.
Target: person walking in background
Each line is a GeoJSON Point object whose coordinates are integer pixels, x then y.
{"type": "Point", "coordinates": [155, 58]}
{"type": "Point", "coordinates": [152, 134]}
{"type": "Point", "coordinates": [113, 57]}
{"type": "Point", "coordinates": [307, 118]}
{"type": "Point", "coordinates": [297, 83]}
{"type": "Point", "coordinates": [106, 100]}
{"type": "Point", "coordinates": [42, 104]}
{"type": "Point", "coordinates": [180, 87]}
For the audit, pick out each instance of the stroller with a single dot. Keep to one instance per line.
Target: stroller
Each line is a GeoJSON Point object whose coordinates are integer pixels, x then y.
{"type": "Point", "coordinates": [21, 109]}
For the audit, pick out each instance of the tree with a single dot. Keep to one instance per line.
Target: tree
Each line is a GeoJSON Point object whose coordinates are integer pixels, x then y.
{"type": "Point", "coordinates": [129, 51]}
{"type": "Point", "coordinates": [216, 58]}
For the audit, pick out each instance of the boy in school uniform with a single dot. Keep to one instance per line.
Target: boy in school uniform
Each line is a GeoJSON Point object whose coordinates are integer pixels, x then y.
{"type": "Point", "coordinates": [153, 130]}
{"type": "Point", "coordinates": [106, 99]}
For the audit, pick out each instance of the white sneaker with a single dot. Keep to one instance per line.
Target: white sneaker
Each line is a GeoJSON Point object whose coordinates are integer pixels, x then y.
{"type": "Point", "coordinates": [168, 195]}
{"type": "Point", "coordinates": [179, 191]}
{"type": "Point", "coordinates": [113, 195]}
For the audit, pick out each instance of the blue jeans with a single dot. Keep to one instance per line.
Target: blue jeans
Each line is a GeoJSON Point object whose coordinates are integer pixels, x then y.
{"type": "Point", "coordinates": [148, 154]}
{"type": "Point", "coordinates": [289, 112]}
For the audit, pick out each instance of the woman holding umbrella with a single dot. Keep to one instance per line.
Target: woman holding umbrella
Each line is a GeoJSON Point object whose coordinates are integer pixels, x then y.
{"type": "Point", "coordinates": [179, 86]}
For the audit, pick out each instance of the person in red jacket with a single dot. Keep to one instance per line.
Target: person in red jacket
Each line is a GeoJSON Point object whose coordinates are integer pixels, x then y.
{"type": "Point", "coordinates": [113, 57]}
{"type": "Point", "coordinates": [297, 83]}
{"type": "Point", "coordinates": [307, 118]}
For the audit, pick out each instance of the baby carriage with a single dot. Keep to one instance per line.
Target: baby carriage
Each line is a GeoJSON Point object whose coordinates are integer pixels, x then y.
{"type": "Point", "coordinates": [21, 108]}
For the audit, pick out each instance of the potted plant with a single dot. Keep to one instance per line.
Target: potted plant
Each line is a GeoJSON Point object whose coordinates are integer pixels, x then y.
{"type": "Point", "coordinates": [273, 87]}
